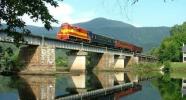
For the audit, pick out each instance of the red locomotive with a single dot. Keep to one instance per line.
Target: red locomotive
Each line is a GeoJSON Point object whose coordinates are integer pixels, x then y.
{"type": "Point", "coordinates": [73, 33]}
{"type": "Point", "coordinates": [69, 32]}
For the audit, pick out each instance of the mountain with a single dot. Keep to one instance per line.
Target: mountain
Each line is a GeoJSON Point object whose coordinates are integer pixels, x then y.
{"type": "Point", "coordinates": [146, 37]}
{"type": "Point", "coordinates": [104, 23]}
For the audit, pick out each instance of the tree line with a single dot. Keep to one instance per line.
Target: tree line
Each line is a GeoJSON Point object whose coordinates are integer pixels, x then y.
{"type": "Point", "coordinates": [171, 47]}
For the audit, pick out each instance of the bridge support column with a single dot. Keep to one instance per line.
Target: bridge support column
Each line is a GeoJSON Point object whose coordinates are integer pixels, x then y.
{"type": "Point", "coordinates": [104, 61]}
{"type": "Point", "coordinates": [37, 59]}
{"type": "Point", "coordinates": [77, 60]}
{"type": "Point", "coordinates": [131, 60]}
{"type": "Point", "coordinates": [119, 61]}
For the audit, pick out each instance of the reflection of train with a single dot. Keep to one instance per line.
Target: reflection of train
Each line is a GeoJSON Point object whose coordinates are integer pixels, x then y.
{"type": "Point", "coordinates": [128, 91]}
{"type": "Point", "coordinates": [73, 33]}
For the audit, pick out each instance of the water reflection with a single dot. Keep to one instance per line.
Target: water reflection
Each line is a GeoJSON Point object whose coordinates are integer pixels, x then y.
{"type": "Point", "coordinates": [29, 87]}
{"type": "Point", "coordinates": [36, 87]}
{"type": "Point", "coordinates": [183, 89]}
{"type": "Point", "coordinates": [33, 87]}
{"type": "Point", "coordinates": [106, 79]}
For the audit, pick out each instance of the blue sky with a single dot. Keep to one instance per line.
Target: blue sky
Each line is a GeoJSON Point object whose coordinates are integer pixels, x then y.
{"type": "Point", "coordinates": [145, 13]}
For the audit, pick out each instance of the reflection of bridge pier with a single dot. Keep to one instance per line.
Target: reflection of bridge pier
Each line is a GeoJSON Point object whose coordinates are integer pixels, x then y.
{"type": "Point", "coordinates": [106, 79]}
{"type": "Point", "coordinates": [132, 77]}
{"type": "Point", "coordinates": [79, 81]}
{"type": "Point", "coordinates": [37, 88]}
{"type": "Point", "coordinates": [120, 77]}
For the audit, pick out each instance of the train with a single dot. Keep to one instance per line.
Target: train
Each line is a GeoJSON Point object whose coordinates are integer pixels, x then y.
{"type": "Point", "coordinates": [74, 33]}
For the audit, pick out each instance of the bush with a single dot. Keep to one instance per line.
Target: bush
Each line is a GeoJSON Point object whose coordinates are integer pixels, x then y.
{"type": "Point", "coordinates": [167, 65]}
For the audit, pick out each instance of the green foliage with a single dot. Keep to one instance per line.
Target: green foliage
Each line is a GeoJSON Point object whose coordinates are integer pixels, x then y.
{"type": "Point", "coordinates": [11, 12]}
{"type": "Point", "coordinates": [146, 67]}
{"type": "Point", "coordinates": [8, 56]}
{"type": "Point", "coordinates": [171, 47]}
{"type": "Point", "coordinates": [61, 61]}
{"type": "Point", "coordinates": [170, 89]}
{"type": "Point", "coordinates": [167, 66]}
{"type": "Point", "coordinates": [61, 58]}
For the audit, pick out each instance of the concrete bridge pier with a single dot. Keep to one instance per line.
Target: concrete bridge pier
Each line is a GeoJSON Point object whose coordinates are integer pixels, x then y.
{"type": "Point", "coordinates": [77, 60]}
{"type": "Point", "coordinates": [129, 61]}
{"type": "Point", "coordinates": [37, 59]}
{"type": "Point", "coordinates": [119, 62]}
{"type": "Point", "coordinates": [142, 59]}
{"type": "Point", "coordinates": [147, 59]}
{"type": "Point", "coordinates": [104, 61]}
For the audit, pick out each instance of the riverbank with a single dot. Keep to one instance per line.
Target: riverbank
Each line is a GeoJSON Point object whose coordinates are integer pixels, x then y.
{"type": "Point", "coordinates": [145, 67]}
{"type": "Point", "coordinates": [178, 66]}
{"type": "Point", "coordinates": [140, 67]}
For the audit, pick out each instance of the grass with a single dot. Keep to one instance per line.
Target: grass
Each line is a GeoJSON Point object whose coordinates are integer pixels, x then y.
{"type": "Point", "coordinates": [178, 75]}
{"type": "Point", "coordinates": [178, 66]}
{"type": "Point", "coordinates": [145, 67]}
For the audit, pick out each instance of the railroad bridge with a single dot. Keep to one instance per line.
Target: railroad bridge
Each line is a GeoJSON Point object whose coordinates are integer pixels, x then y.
{"type": "Point", "coordinates": [39, 55]}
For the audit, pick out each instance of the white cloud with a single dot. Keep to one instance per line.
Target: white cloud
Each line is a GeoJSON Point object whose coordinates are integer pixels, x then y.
{"type": "Point", "coordinates": [63, 13]}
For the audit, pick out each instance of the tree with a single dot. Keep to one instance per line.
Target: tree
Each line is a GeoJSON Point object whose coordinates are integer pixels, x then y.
{"type": "Point", "coordinates": [12, 10]}
{"type": "Point", "coordinates": [171, 47]}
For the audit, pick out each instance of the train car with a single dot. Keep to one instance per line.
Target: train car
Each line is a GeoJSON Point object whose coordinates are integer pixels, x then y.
{"type": "Point", "coordinates": [101, 40]}
{"type": "Point", "coordinates": [123, 45]}
{"type": "Point", "coordinates": [127, 46]}
{"type": "Point", "coordinates": [137, 49]}
{"type": "Point", "coordinates": [72, 33]}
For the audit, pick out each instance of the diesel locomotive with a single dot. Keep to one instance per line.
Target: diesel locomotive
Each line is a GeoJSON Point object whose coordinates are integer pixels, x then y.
{"type": "Point", "coordinates": [73, 33]}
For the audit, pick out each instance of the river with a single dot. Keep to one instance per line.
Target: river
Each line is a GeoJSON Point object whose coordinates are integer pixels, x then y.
{"type": "Point", "coordinates": [97, 85]}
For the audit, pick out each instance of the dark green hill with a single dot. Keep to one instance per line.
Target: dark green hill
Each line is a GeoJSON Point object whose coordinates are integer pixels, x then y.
{"type": "Point", "coordinates": [147, 37]}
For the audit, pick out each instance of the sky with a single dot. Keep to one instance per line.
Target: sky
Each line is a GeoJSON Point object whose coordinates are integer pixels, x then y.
{"type": "Point", "coordinates": [145, 13]}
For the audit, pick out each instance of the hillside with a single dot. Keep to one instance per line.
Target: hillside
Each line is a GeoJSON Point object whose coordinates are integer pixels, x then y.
{"type": "Point", "coordinates": [147, 37]}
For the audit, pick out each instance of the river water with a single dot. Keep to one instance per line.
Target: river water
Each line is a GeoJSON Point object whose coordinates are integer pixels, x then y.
{"type": "Point", "coordinates": [150, 86]}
